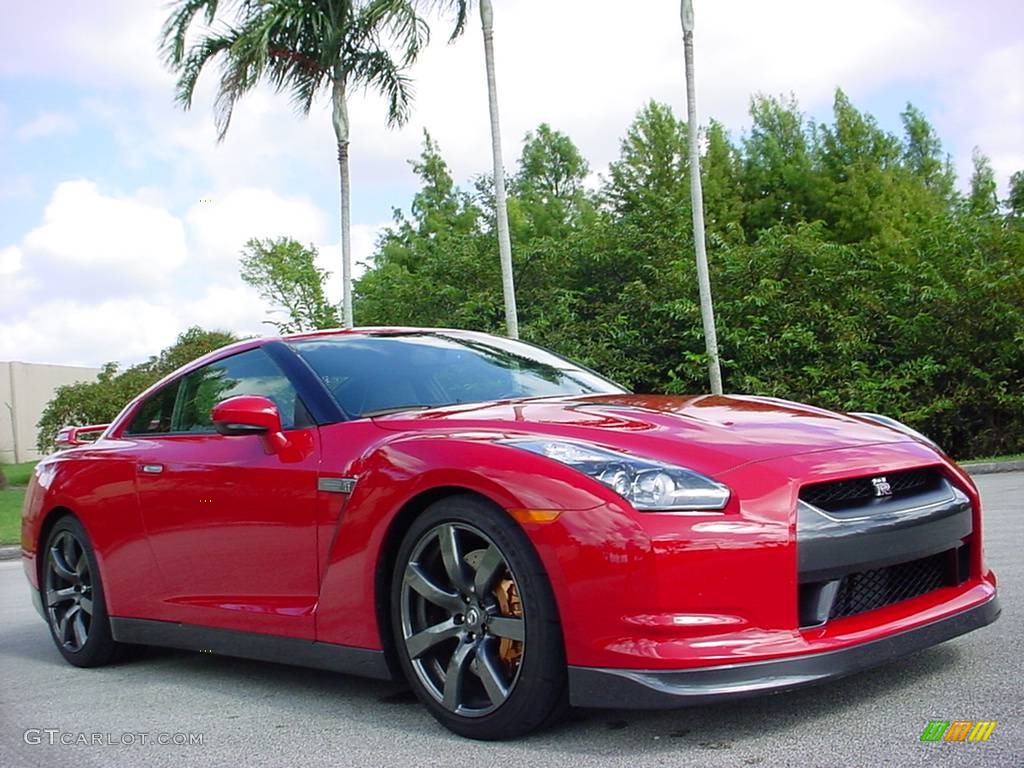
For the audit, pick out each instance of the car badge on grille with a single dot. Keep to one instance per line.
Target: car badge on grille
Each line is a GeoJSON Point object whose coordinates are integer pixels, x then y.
{"type": "Point", "coordinates": [882, 487]}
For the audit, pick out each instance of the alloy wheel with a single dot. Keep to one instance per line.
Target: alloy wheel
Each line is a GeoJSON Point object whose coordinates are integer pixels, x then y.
{"type": "Point", "coordinates": [69, 592]}
{"type": "Point", "coordinates": [462, 618]}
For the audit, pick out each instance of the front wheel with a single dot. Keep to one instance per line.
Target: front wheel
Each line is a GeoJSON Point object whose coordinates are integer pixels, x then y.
{"type": "Point", "coordinates": [475, 622]}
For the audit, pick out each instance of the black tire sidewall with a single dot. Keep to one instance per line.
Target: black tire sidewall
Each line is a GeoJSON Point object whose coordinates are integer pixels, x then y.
{"type": "Point", "coordinates": [100, 647]}
{"type": "Point", "coordinates": [540, 693]}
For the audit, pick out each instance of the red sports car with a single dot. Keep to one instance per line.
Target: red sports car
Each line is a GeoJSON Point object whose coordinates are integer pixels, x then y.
{"type": "Point", "coordinates": [509, 532]}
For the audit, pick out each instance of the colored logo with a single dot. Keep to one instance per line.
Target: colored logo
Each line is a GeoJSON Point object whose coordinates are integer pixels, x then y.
{"type": "Point", "coordinates": [958, 730]}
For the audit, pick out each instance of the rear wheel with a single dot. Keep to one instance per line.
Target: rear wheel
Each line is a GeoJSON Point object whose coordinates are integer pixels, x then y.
{"type": "Point", "coordinates": [73, 597]}
{"type": "Point", "coordinates": [475, 622]}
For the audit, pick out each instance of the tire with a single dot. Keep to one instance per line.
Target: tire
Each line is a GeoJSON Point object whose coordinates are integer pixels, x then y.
{"type": "Point", "coordinates": [475, 623]}
{"type": "Point", "coordinates": [73, 599]}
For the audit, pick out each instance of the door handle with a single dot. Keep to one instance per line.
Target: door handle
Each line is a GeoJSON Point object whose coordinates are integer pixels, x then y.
{"type": "Point", "coordinates": [151, 469]}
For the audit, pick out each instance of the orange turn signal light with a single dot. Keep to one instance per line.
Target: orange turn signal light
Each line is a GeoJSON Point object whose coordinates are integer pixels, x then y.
{"type": "Point", "coordinates": [535, 515]}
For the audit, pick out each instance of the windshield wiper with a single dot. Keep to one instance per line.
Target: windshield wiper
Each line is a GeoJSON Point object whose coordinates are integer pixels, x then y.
{"type": "Point", "coordinates": [396, 409]}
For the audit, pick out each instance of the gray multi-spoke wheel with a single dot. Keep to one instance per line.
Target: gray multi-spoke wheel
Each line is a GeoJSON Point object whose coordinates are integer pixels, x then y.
{"type": "Point", "coordinates": [68, 591]}
{"type": "Point", "coordinates": [475, 623]}
{"type": "Point", "coordinates": [462, 622]}
{"type": "Point", "coordinates": [73, 596]}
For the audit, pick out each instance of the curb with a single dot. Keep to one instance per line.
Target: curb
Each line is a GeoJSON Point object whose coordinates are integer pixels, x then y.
{"type": "Point", "coordinates": [10, 552]}
{"type": "Point", "coordinates": [992, 467]}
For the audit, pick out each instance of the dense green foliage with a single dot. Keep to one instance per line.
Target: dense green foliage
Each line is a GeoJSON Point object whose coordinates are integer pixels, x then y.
{"type": "Point", "coordinates": [99, 401]}
{"type": "Point", "coordinates": [847, 270]}
{"type": "Point", "coordinates": [285, 274]}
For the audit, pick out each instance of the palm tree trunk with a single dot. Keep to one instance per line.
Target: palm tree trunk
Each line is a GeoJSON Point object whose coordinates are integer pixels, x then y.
{"type": "Point", "coordinates": [340, 117]}
{"type": "Point", "coordinates": [501, 207]}
{"type": "Point", "coordinates": [707, 310]}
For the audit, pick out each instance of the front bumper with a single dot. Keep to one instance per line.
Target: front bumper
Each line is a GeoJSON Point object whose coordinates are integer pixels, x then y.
{"type": "Point", "coordinates": [668, 689]}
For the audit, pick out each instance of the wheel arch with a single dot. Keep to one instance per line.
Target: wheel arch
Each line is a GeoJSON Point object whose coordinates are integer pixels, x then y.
{"type": "Point", "coordinates": [50, 519]}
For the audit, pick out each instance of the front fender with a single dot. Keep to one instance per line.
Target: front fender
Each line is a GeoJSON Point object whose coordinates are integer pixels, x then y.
{"type": "Point", "coordinates": [392, 476]}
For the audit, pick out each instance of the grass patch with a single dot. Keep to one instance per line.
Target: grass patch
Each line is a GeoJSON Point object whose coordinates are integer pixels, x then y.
{"type": "Point", "coordinates": [10, 515]}
{"type": "Point", "coordinates": [986, 459]}
{"type": "Point", "coordinates": [18, 474]}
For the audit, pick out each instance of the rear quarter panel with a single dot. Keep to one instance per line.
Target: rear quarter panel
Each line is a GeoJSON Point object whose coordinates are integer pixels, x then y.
{"type": "Point", "coordinates": [97, 485]}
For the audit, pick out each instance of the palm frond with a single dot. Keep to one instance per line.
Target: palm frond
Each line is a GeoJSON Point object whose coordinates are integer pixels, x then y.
{"type": "Point", "coordinates": [189, 69]}
{"type": "Point", "coordinates": [377, 70]}
{"type": "Point", "coordinates": [460, 9]}
{"type": "Point", "coordinates": [298, 47]}
{"type": "Point", "coordinates": [175, 29]}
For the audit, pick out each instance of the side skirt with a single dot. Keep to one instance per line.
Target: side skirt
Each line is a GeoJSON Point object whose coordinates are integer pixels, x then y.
{"type": "Point", "coordinates": [363, 662]}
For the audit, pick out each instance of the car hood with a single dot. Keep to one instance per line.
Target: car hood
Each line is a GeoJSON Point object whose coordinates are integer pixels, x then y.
{"type": "Point", "coordinates": [706, 432]}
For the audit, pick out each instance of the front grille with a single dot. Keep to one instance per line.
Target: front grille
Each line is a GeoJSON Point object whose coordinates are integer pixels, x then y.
{"type": "Point", "coordinates": [842, 494]}
{"type": "Point", "coordinates": [869, 590]}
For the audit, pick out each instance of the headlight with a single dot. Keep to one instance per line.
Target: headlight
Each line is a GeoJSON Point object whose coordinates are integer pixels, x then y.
{"type": "Point", "coordinates": [885, 421]}
{"type": "Point", "coordinates": [648, 485]}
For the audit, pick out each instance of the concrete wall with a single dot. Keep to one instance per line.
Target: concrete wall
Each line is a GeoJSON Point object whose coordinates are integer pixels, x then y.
{"type": "Point", "coordinates": [25, 389]}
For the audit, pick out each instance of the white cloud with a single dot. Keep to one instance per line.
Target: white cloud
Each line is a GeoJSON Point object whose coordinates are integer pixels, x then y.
{"type": "Point", "coordinates": [985, 108]}
{"type": "Point", "coordinates": [120, 237]}
{"type": "Point", "coordinates": [10, 260]}
{"type": "Point", "coordinates": [111, 277]}
{"type": "Point", "coordinates": [105, 43]}
{"type": "Point", "coordinates": [221, 226]}
{"type": "Point", "coordinates": [46, 124]}
{"type": "Point", "coordinates": [83, 333]}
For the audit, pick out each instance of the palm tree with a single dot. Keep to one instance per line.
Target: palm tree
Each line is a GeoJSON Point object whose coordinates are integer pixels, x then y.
{"type": "Point", "coordinates": [303, 47]}
{"type": "Point", "coordinates": [461, 10]}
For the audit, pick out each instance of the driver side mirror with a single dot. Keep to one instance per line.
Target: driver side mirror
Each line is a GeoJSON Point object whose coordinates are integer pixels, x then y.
{"type": "Point", "coordinates": [250, 415]}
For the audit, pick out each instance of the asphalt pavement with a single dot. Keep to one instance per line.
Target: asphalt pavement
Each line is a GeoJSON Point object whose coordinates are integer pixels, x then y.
{"type": "Point", "coordinates": [255, 714]}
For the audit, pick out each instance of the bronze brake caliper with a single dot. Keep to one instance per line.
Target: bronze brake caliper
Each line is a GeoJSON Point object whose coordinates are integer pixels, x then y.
{"type": "Point", "coordinates": [507, 594]}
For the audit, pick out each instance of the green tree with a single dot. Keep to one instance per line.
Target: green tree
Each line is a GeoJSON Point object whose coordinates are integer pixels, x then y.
{"type": "Point", "coordinates": [430, 267]}
{"type": "Point", "coordinates": [923, 154]}
{"type": "Point", "coordinates": [549, 181]}
{"type": "Point", "coordinates": [721, 176]}
{"type": "Point", "coordinates": [1015, 201]}
{"type": "Point", "coordinates": [983, 199]}
{"type": "Point", "coordinates": [779, 179]}
{"type": "Point", "coordinates": [857, 159]}
{"type": "Point", "coordinates": [650, 176]}
{"type": "Point", "coordinates": [303, 47]}
{"type": "Point", "coordinates": [99, 401]}
{"type": "Point", "coordinates": [285, 274]}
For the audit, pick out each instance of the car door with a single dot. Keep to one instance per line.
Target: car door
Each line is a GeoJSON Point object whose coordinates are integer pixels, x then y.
{"type": "Point", "coordinates": [230, 520]}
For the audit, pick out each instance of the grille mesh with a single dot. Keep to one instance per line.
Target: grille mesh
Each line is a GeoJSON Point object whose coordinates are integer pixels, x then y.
{"type": "Point", "coordinates": [867, 591]}
{"type": "Point", "coordinates": [843, 493]}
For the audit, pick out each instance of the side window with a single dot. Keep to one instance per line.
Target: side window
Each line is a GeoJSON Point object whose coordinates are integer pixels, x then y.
{"type": "Point", "coordinates": [248, 373]}
{"type": "Point", "coordinates": [154, 415]}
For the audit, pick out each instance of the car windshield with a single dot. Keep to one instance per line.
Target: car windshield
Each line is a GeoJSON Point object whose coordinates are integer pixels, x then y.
{"type": "Point", "coordinates": [373, 374]}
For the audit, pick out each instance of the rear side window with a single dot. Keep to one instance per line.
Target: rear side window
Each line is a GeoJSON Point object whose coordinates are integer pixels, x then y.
{"type": "Point", "coordinates": [247, 373]}
{"type": "Point", "coordinates": [155, 414]}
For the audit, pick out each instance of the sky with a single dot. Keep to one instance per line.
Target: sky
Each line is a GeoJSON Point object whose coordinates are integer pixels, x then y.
{"type": "Point", "coordinates": [122, 218]}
